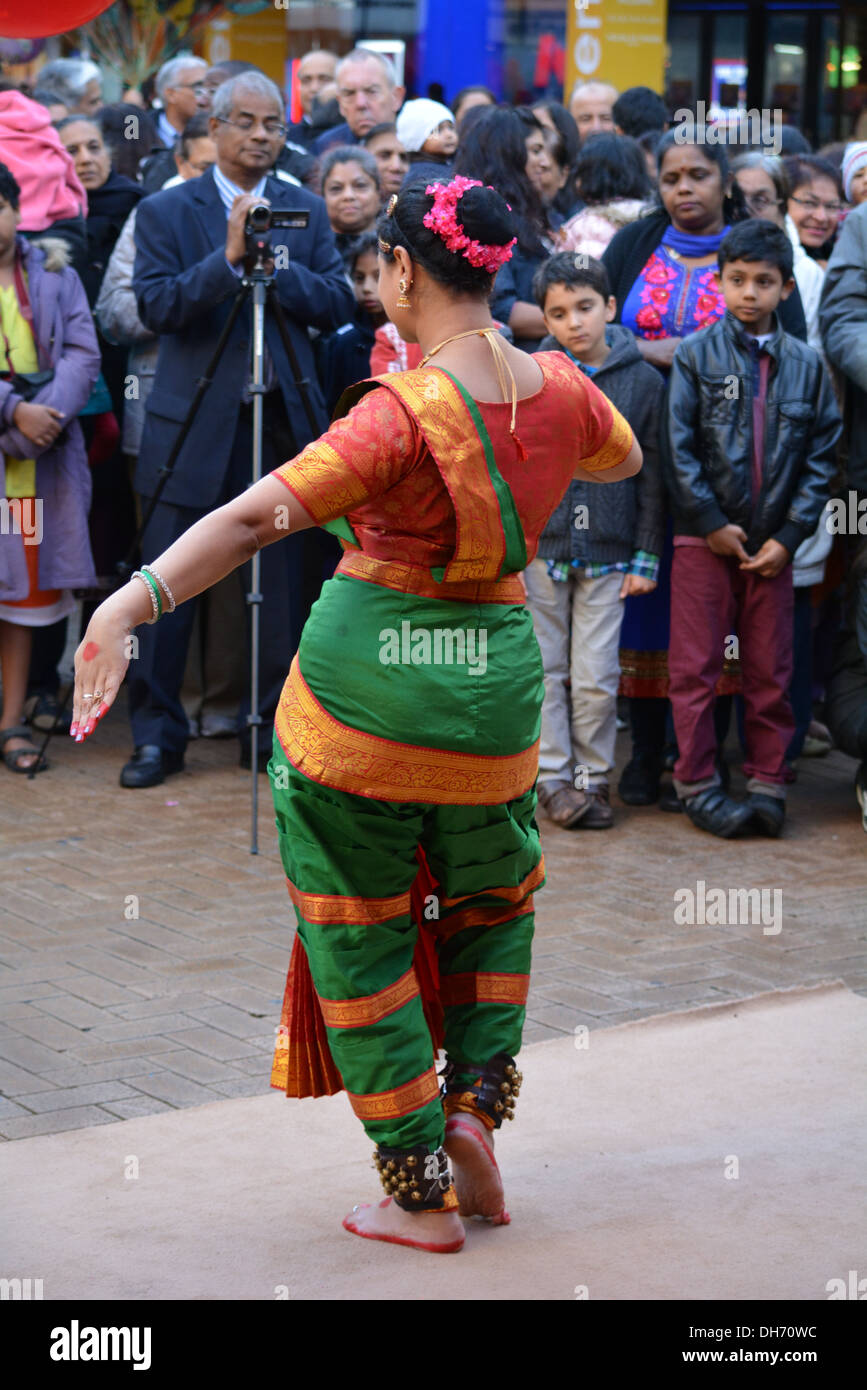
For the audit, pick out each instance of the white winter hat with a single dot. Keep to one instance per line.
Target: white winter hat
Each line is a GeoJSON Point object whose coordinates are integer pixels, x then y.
{"type": "Point", "coordinates": [418, 120]}
{"type": "Point", "coordinates": [854, 157]}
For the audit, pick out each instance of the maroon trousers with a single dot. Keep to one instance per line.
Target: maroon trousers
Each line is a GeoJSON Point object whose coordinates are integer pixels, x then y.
{"type": "Point", "coordinates": [712, 600]}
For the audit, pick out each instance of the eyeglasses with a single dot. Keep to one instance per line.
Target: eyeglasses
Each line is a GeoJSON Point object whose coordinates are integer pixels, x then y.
{"type": "Point", "coordinates": [248, 123]}
{"type": "Point", "coordinates": [761, 201]}
{"type": "Point", "coordinates": [197, 87]}
{"type": "Point", "coordinates": [813, 205]}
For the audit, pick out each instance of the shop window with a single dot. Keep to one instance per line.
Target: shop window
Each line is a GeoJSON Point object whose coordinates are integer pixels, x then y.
{"type": "Point", "coordinates": [786, 67]}
{"type": "Point", "coordinates": [682, 70]}
{"type": "Point", "coordinates": [728, 93]}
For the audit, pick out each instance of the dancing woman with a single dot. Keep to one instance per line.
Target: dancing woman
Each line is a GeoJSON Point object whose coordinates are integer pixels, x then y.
{"type": "Point", "coordinates": [406, 741]}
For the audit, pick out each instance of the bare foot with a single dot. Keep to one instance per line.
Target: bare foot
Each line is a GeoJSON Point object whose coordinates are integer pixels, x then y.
{"type": "Point", "coordinates": [439, 1231]}
{"type": "Point", "coordinates": [470, 1147]}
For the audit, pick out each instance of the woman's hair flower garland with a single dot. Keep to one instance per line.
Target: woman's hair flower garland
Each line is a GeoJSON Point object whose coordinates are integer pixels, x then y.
{"type": "Point", "coordinates": [443, 220]}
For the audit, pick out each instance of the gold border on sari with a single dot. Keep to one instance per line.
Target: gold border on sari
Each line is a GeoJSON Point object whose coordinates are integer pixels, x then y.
{"type": "Point", "coordinates": [484, 987]}
{"type": "Point", "coordinates": [328, 909]}
{"type": "Point", "coordinates": [333, 490]}
{"type": "Point", "coordinates": [407, 578]}
{"type": "Point", "coordinates": [336, 755]}
{"type": "Point", "coordinates": [528, 884]}
{"type": "Point", "coordinates": [371, 1008]}
{"type": "Point", "coordinates": [615, 448]}
{"type": "Point", "coordinates": [467, 917]}
{"type": "Point", "coordinates": [440, 413]}
{"type": "Point", "coordinates": [391, 1105]}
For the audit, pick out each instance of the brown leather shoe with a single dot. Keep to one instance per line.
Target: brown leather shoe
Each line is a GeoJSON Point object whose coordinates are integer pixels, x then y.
{"type": "Point", "coordinates": [565, 806]}
{"type": "Point", "coordinates": [599, 815]}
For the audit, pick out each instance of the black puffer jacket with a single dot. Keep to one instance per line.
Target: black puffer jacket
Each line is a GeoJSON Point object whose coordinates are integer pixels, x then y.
{"type": "Point", "coordinates": [707, 437]}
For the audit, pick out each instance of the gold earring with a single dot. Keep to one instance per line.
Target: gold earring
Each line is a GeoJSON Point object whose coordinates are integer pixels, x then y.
{"type": "Point", "coordinates": [403, 301]}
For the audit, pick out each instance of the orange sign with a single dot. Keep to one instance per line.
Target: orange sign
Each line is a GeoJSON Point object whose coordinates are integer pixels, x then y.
{"type": "Point", "coordinates": [616, 41]}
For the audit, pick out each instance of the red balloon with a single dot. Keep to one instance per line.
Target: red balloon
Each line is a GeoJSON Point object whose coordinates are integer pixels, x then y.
{"type": "Point", "coordinates": [21, 19]}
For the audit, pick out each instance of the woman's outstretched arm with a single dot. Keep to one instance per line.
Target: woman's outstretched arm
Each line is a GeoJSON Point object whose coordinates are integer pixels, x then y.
{"type": "Point", "coordinates": [625, 469]}
{"type": "Point", "coordinates": [204, 554]}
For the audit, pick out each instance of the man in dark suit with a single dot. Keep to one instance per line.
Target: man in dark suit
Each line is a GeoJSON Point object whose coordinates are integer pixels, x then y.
{"type": "Point", "coordinates": [367, 95]}
{"type": "Point", "coordinates": [189, 253]}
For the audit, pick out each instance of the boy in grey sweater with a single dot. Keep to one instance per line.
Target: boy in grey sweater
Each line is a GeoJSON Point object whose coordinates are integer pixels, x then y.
{"type": "Point", "coordinates": [593, 553]}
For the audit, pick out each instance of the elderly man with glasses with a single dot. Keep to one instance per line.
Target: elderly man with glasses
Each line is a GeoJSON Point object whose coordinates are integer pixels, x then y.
{"type": "Point", "coordinates": [367, 93]}
{"type": "Point", "coordinates": [190, 252]}
{"type": "Point", "coordinates": [180, 86]}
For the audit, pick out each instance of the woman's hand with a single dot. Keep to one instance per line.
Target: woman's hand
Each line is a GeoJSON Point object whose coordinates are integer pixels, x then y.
{"type": "Point", "coordinates": [100, 666]}
{"type": "Point", "coordinates": [659, 352]}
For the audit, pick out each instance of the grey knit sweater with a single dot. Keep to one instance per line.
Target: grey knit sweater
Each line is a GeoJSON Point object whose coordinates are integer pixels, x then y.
{"type": "Point", "coordinates": [604, 525]}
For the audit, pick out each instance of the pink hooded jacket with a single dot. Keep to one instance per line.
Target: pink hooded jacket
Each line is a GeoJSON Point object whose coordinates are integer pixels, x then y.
{"type": "Point", "coordinates": [32, 150]}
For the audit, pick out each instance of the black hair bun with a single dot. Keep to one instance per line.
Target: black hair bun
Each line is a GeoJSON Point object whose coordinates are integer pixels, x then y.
{"type": "Point", "coordinates": [485, 217]}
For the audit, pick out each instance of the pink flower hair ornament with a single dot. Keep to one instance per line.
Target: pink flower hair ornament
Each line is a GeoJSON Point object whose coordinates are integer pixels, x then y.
{"type": "Point", "coordinates": [443, 220]}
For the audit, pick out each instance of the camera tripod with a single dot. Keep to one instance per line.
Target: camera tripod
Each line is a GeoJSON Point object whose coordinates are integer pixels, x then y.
{"type": "Point", "coordinates": [257, 285]}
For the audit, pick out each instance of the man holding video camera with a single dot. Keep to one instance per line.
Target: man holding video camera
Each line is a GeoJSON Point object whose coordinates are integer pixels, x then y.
{"type": "Point", "coordinates": [190, 250]}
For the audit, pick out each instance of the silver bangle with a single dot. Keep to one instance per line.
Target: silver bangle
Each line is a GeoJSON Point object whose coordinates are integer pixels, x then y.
{"type": "Point", "coordinates": [163, 585]}
{"type": "Point", "coordinates": [153, 598]}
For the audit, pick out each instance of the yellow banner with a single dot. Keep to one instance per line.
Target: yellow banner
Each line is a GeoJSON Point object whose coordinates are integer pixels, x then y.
{"type": "Point", "coordinates": [617, 41]}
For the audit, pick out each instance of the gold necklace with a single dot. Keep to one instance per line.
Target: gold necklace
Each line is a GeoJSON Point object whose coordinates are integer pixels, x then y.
{"type": "Point", "coordinates": [505, 375]}
{"type": "Point", "coordinates": [453, 339]}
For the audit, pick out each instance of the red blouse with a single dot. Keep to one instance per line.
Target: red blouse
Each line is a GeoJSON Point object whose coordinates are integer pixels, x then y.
{"type": "Point", "coordinates": [375, 468]}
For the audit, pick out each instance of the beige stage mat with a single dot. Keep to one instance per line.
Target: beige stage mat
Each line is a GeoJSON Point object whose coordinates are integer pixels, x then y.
{"type": "Point", "coordinates": [619, 1170]}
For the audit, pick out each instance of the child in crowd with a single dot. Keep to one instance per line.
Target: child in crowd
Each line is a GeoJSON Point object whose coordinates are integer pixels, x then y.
{"type": "Point", "coordinates": [343, 357]}
{"type": "Point", "coordinates": [749, 442]}
{"type": "Point", "coordinates": [427, 130]}
{"type": "Point", "coordinates": [49, 360]}
{"type": "Point", "coordinates": [854, 172]}
{"type": "Point", "coordinates": [593, 552]}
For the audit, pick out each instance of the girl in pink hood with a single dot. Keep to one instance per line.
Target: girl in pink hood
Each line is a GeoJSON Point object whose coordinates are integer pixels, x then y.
{"type": "Point", "coordinates": [51, 194]}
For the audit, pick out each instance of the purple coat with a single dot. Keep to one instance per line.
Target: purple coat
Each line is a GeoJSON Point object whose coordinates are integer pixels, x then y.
{"type": "Point", "coordinates": [65, 340]}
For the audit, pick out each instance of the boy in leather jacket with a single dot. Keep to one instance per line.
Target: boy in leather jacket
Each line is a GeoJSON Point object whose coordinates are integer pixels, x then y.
{"type": "Point", "coordinates": [749, 445]}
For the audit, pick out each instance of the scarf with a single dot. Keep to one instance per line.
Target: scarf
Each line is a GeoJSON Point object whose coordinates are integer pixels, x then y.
{"type": "Point", "coordinates": [685, 244]}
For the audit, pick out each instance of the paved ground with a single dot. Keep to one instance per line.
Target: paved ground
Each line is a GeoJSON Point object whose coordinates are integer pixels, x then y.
{"type": "Point", "coordinates": [105, 1014]}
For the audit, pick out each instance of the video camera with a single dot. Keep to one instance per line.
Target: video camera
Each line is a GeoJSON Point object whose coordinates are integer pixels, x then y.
{"type": "Point", "coordinates": [259, 223]}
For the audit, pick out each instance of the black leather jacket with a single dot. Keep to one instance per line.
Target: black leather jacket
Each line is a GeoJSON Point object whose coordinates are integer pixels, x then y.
{"type": "Point", "coordinates": [707, 437]}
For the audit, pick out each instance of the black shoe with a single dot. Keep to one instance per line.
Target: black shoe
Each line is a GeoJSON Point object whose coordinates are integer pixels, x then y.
{"type": "Point", "coordinates": [150, 765]}
{"type": "Point", "coordinates": [861, 792]}
{"type": "Point", "coordinates": [717, 813]}
{"type": "Point", "coordinates": [669, 799]}
{"type": "Point", "coordinates": [769, 812]}
{"type": "Point", "coordinates": [639, 781]}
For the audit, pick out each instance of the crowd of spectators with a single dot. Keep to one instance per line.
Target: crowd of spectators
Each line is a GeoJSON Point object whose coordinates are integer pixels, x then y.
{"type": "Point", "coordinates": [122, 251]}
